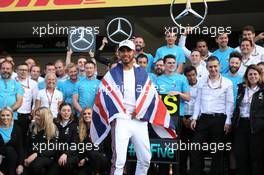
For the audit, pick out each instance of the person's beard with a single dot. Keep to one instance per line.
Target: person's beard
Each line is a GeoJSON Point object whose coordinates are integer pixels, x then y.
{"type": "Point", "coordinates": [139, 48]}
{"type": "Point", "coordinates": [6, 75]}
{"type": "Point", "coordinates": [159, 72]}
{"type": "Point", "coordinates": [234, 70]}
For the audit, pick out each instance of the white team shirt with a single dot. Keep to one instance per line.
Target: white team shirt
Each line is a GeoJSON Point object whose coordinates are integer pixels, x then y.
{"type": "Point", "coordinates": [30, 88]}
{"type": "Point", "coordinates": [129, 91]}
{"type": "Point", "coordinates": [214, 97]}
{"type": "Point", "coordinates": [50, 101]}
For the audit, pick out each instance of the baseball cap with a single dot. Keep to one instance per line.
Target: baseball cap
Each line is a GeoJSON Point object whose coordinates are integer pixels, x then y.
{"type": "Point", "coordinates": [127, 43]}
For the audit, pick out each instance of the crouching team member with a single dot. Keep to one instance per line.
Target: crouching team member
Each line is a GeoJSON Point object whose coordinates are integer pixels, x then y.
{"type": "Point", "coordinates": [67, 157]}
{"type": "Point", "coordinates": [95, 160]}
{"type": "Point", "coordinates": [11, 148]}
{"type": "Point", "coordinates": [121, 106]}
{"type": "Point", "coordinates": [41, 132]}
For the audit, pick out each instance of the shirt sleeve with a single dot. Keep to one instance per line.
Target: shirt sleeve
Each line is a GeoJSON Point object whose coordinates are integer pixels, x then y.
{"type": "Point", "coordinates": [182, 42]}
{"type": "Point", "coordinates": [185, 87]}
{"type": "Point", "coordinates": [229, 103]}
{"type": "Point", "coordinates": [19, 89]}
{"type": "Point", "coordinates": [158, 55]}
{"type": "Point", "coordinates": [76, 88]}
{"type": "Point", "coordinates": [197, 104]}
{"type": "Point", "coordinates": [38, 97]}
{"type": "Point", "coordinates": [180, 57]}
{"type": "Point", "coordinates": [60, 96]}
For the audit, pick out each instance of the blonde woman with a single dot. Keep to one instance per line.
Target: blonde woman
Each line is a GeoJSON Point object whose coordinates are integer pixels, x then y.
{"type": "Point", "coordinates": [93, 160]}
{"type": "Point", "coordinates": [50, 97]}
{"type": "Point", "coordinates": [41, 132]}
{"type": "Point", "coordinates": [11, 147]}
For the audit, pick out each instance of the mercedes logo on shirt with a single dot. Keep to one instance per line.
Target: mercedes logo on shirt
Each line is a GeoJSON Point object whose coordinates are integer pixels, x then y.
{"type": "Point", "coordinates": [81, 39]}
{"type": "Point", "coordinates": [186, 12]}
{"type": "Point", "coordinates": [119, 29]}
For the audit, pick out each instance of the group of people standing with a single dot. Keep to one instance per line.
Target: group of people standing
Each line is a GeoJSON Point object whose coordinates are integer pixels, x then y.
{"type": "Point", "coordinates": [221, 100]}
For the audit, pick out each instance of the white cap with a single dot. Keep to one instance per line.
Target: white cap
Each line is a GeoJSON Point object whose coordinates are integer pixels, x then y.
{"type": "Point", "coordinates": [127, 43]}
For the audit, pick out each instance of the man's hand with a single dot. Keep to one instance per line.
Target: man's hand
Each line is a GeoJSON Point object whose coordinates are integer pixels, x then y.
{"type": "Point", "coordinates": [69, 52]}
{"type": "Point", "coordinates": [186, 122]}
{"type": "Point", "coordinates": [172, 93]}
{"type": "Point", "coordinates": [187, 31]}
{"type": "Point", "coordinates": [62, 160]}
{"type": "Point", "coordinates": [104, 41]}
{"type": "Point", "coordinates": [81, 163]}
{"type": "Point", "coordinates": [91, 54]}
{"type": "Point", "coordinates": [227, 128]}
{"type": "Point", "coordinates": [259, 37]}
{"type": "Point", "coordinates": [19, 169]}
{"type": "Point", "coordinates": [193, 124]}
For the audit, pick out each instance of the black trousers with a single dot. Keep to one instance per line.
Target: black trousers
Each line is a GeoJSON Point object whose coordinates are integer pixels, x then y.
{"type": "Point", "coordinates": [248, 149]}
{"type": "Point", "coordinates": [186, 135]}
{"type": "Point", "coordinates": [23, 121]}
{"type": "Point", "coordinates": [39, 166]}
{"type": "Point", "coordinates": [9, 163]}
{"type": "Point", "coordinates": [67, 169]}
{"type": "Point", "coordinates": [209, 130]}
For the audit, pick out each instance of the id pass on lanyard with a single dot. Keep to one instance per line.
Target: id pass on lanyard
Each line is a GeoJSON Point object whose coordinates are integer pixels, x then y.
{"type": "Point", "coordinates": [49, 97]}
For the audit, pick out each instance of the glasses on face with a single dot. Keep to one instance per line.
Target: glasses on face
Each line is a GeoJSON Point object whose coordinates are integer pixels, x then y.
{"type": "Point", "coordinates": [23, 70]}
{"type": "Point", "coordinates": [170, 63]}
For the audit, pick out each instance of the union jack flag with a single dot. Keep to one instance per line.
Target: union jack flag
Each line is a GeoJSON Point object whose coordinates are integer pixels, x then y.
{"type": "Point", "coordinates": [149, 107]}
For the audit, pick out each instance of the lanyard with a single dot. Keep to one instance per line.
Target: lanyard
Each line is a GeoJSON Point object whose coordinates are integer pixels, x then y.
{"type": "Point", "coordinates": [209, 83]}
{"type": "Point", "coordinates": [25, 87]}
{"type": "Point", "coordinates": [49, 99]}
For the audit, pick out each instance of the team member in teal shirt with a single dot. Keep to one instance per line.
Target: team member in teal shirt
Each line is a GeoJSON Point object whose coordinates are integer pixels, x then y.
{"type": "Point", "coordinates": [172, 83]}
{"type": "Point", "coordinates": [67, 87]}
{"type": "Point", "coordinates": [86, 89]}
{"type": "Point", "coordinates": [223, 52]}
{"type": "Point", "coordinates": [11, 92]}
{"type": "Point", "coordinates": [172, 49]}
{"type": "Point", "coordinates": [234, 64]}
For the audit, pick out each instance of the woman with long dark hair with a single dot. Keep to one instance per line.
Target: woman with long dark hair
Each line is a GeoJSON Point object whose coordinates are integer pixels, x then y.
{"type": "Point", "coordinates": [248, 122]}
{"type": "Point", "coordinates": [67, 157]}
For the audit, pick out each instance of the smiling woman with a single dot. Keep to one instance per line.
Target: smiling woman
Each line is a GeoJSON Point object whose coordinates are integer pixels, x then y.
{"type": "Point", "coordinates": [11, 148]}
{"type": "Point", "coordinates": [248, 123]}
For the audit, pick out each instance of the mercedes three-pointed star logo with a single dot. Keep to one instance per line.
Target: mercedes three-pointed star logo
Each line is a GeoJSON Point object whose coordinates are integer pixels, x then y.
{"type": "Point", "coordinates": [188, 10]}
{"type": "Point", "coordinates": [81, 39]}
{"type": "Point", "coordinates": [119, 29]}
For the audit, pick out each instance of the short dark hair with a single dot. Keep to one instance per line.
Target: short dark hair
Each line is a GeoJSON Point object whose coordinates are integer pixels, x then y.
{"type": "Point", "coordinates": [49, 64]}
{"type": "Point", "coordinates": [160, 59]}
{"type": "Point", "coordinates": [201, 40]}
{"type": "Point", "coordinates": [212, 58]}
{"type": "Point", "coordinates": [189, 69]}
{"type": "Point", "coordinates": [249, 28]}
{"type": "Point", "coordinates": [260, 63]}
{"type": "Point", "coordinates": [90, 62]}
{"type": "Point", "coordinates": [35, 66]}
{"type": "Point", "coordinates": [141, 56]}
{"type": "Point", "coordinates": [245, 39]}
{"type": "Point", "coordinates": [169, 56]}
{"type": "Point", "coordinates": [22, 64]}
{"type": "Point", "coordinates": [236, 55]}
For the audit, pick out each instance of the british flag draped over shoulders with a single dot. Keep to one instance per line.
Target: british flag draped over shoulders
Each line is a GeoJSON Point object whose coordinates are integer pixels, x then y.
{"type": "Point", "coordinates": [149, 107]}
